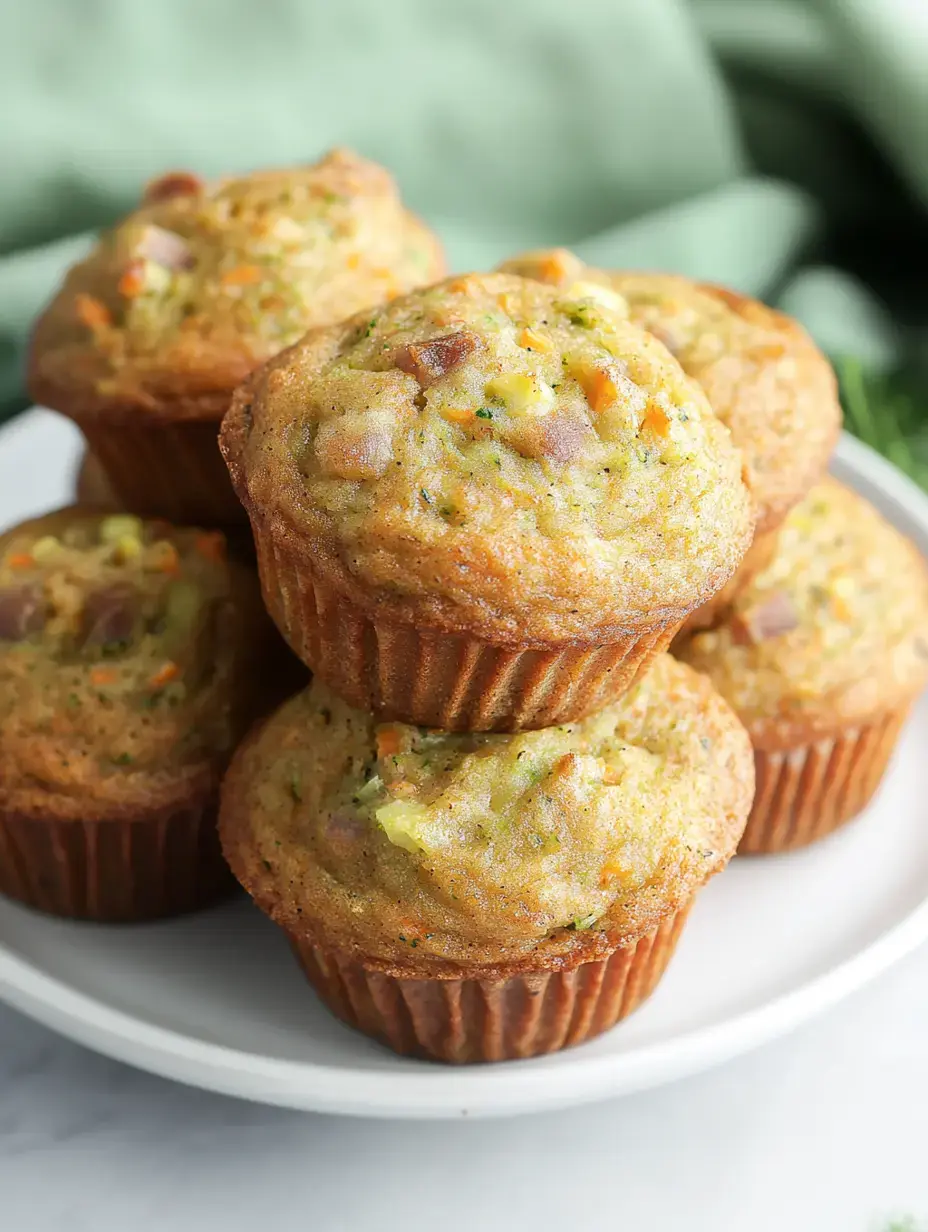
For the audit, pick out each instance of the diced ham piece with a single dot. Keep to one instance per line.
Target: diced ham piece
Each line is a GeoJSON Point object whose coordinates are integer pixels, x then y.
{"type": "Point", "coordinates": [21, 612]}
{"type": "Point", "coordinates": [428, 362]}
{"type": "Point", "coordinates": [560, 436]}
{"type": "Point", "coordinates": [165, 248]}
{"type": "Point", "coordinates": [109, 616]}
{"type": "Point", "coordinates": [772, 618]}
{"type": "Point", "coordinates": [354, 447]}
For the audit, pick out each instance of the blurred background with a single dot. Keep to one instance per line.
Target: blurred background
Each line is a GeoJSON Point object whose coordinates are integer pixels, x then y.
{"type": "Point", "coordinates": [778, 146]}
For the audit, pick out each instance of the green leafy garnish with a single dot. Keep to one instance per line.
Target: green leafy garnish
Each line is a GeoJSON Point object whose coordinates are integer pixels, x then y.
{"type": "Point", "coordinates": [484, 413]}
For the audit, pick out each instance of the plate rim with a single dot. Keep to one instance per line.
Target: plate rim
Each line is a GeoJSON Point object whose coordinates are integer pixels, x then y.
{"type": "Point", "coordinates": [432, 1091]}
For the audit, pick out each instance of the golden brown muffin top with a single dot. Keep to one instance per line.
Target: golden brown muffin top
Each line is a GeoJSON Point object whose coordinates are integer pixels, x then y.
{"type": "Point", "coordinates": [833, 632]}
{"type": "Point", "coordinates": [762, 374]}
{"type": "Point", "coordinates": [122, 659]}
{"type": "Point", "coordinates": [511, 456]}
{"type": "Point", "coordinates": [179, 301]}
{"type": "Point", "coordinates": [408, 845]}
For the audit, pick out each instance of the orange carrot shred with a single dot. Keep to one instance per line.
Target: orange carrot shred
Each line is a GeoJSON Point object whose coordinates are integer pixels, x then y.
{"type": "Point", "coordinates": [164, 675]}
{"type": "Point", "coordinates": [353, 260]}
{"type": "Point", "coordinates": [535, 342]}
{"type": "Point", "coordinates": [102, 675]}
{"type": "Point", "coordinates": [212, 545]}
{"type": "Point", "coordinates": [21, 560]}
{"type": "Point", "coordinates": [241, 276]}
{"type": "Point", "coordinates": [611, 870]}
{"type": "Point", "coordinates": [132, 282]}
{"type": "Point", "coordinates": [600, 390]}
{"type": "Point", "coordinates": [92, 311]}
{"type": "Point", "coordinates": [388, 742]}
{"type": "Point", "coordinates": [552, 268]}
{"type": "Point", "coordinates": [656, 420]}
{"type": "Point", "coordinates": [459, 414]}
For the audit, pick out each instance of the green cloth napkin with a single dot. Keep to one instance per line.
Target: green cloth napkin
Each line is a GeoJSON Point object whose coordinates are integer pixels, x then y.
{"type": "Point", "coordinates": [778, 147]}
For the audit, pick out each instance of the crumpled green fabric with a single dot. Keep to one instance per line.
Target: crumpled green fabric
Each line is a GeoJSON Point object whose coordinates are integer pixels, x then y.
{"type": "Point", "coordinates": [780, 147]}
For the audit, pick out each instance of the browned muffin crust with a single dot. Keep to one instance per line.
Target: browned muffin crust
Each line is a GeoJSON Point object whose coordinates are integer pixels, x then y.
{"type": "Point", "coordinates": [179, 302]}
{"type": "Point", "coordinates": [556, 479]}
{"type": "Point", "coordinates": [448, 856]}
{"type": "Point", "coordinates": [762, 374]}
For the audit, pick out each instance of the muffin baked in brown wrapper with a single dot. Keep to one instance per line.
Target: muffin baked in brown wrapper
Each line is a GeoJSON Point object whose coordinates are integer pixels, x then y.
{"type": "Point", "coordinates": [462, 1020]}
{"type": "Point", "coordinates": [806, 792]}
{"type": "Point", "coordinates": [162, 469]}
{"type": "Point", "coordinates": [435, 678]}
{"type": "Point", "coordinates": [163, 862]}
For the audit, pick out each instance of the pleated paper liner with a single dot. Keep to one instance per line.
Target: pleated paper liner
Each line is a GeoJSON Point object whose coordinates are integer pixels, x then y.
{"type": "Point", "coordinates": [467, 1020]}
{"type": "Point", "coordinates": [804, 793]}
{"type": "Point", "coordinates": [165, 470]}
{"type": "Point", "coordinates": [435, 679]}
{"type": "Point", "coordinates": [759, 556]}
{"type": "Point", "coordinates": [115, 871]}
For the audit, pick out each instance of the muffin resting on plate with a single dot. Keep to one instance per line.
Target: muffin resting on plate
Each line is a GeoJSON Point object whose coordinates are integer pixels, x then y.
{"type": "Point", "coordinates": [132, 657]}
{"type": "Point", "coordinates": [147, 338]}
{"type": "Point", "coordinates": [477, 897]}
{"type": "Point", "coordinates": [762, 374]}
{"type": "Point", "coordinates": [486, 505]}
{"type": "Point", "coordinates": [821, 656]}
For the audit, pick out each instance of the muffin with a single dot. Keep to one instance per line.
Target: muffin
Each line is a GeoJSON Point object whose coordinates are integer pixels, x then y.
{"type": "Point", "coordinates": [488, 504]}
{"type": "Point", "coordinates": [91, 486]}
{"type": "Point", "coordinates": [144, 343]}
{"type": "Point", "coordinates": [821, 656]}
{"type": "Point", "coordinates": [482, 897]}
{"type": "Point", "coordinates": [762, 374]}
{"type": "Point", "coordinates": [132, 658]}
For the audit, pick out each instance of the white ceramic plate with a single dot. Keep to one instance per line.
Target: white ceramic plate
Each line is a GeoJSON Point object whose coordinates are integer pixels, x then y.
{"type": "Point", "coordinates": [215, 1000]}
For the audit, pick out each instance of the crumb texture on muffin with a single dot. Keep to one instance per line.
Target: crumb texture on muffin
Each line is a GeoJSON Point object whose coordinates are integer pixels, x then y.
{"type": "Point", "coordinates": [404, 844]}
{"type": "Point", "coordinates": [833, 632]}
{"type": "Point", "coordinates": [510, 455]}
{"type": "Point", "coordinates": [762, 374]}
{"type": "Point", "coordinates": [181, 299]}
{"type": "Point", "coordinates": [122, 663]}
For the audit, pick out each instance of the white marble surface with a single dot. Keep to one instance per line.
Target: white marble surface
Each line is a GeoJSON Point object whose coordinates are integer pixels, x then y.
{"type": "Point", "coordinates": [826, 1131]}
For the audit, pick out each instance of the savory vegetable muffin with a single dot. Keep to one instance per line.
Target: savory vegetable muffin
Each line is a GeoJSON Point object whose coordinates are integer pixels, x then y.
{"type": "Point", "coordinates": [762, 374]}
{"type": "Point", "coordinates": [486, 505]}
{"type": "Point", "coordinates": [132, 657]}
{"type": "Point", "coordinates": [145, 341]}
{"type": "Point", "coordinates": [91, 486]}
{"type": "Point", "coordinates": [477, 897]}
{"type": "Point", "coordinates": [822, 656]}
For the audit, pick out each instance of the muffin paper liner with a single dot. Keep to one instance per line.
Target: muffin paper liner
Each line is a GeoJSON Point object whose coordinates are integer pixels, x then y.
{"type": "Point", "coordinates": [166, 470]}
{"type": "Point", "coordinates": [163, 864]}
{"type": "Point", "coordinates": [759, 556]}
{"type": "Point", "coordinates": [436, 679]}
{"type": "Point", "coordinates": [804, 793]}
{"type": "Point", "coordinates": [467, 1020]}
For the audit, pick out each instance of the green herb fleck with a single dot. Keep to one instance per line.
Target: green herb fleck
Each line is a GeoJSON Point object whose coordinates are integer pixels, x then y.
{"type": "Point", "coordinates": [582, 922]}
{"type": "Point", "coordinates": [370, 326]}
{"type": "Point", "coordinates": [425, 496]}
{"type": "Point", "coordinates": [124, 759]}
{"type": "Point", "coordinates": [73, 701]}
{"type": "Point", "coordinates": [484, 413]}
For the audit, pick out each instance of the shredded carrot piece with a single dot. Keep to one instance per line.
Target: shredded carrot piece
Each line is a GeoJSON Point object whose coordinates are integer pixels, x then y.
{"type": "Point", "coordinates": [656, 420]}
{"type": "Point", "coordinates": [21, 560]}
{"type": "Point", "coordinates": [212, 545]}
{"type": "Point", "coordinates": [170, 559]}
{"type": "Point", "coordinates": [611, 776]}
{"type": "Point", "coordinates": [600, 390]}
{"type": "Point", "coordinates": [552, 268]}
{"type": "Point", "coordinates": [353, 260]}
{"type": "Point", "coordinates": [388, 741]}
{"type": "Point", "coordinates": [461, 286]}
{"type": "Point", "coordinates": [840, 608]}
{"type": "Point", "coordinates": [611, 870]}
{"type": "Point", "coordinates": [408, 925]}
{"type": "Point", "coordinates": [164, 675]}
{"type": "Point", "coordinates": [241, 276]}
{"type": "Point", "coordinates": [535, 341]}
{"type": "Point", "coordinates": [132, 282]}
{"type": "Point", "coordinates": [459, 414]}
{"type": "Point", "coordinates": [508, 303]}
{"type": "Point", "coordinates": [102, 675]}
{"type": "Point", "coordinates": [92, 311]}
{"type": "Point", "coordinates": [403, 788]}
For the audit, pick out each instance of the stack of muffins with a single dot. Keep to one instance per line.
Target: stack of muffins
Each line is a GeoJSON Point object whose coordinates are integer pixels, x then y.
{"type": "Point", "coordinates": [483, 509]}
